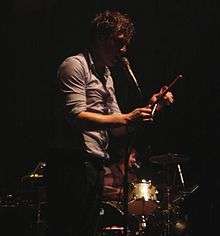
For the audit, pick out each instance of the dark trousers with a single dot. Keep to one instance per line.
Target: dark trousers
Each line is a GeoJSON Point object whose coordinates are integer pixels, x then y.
{"type": "Point", "coordinates": [74, 193]}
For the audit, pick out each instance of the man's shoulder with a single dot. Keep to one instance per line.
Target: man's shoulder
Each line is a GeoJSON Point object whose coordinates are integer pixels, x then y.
{"type": "Point", "coordinates": [77, 58]}
{"type": "Point", "coordinates": [73, 64]}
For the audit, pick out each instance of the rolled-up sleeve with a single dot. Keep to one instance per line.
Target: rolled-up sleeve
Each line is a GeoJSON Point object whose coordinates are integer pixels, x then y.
{"type": "Point", "coordinates": [72, 79]}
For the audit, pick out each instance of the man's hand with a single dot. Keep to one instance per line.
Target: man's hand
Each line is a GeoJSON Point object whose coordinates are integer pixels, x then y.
{"type": "Point", "coordinates": [167, 98]}
{"type": "Point", "coordinates": [140, 114]}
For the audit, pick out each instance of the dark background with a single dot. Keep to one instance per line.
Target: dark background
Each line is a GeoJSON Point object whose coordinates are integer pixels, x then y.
{"type": "Point", "coordinates": [172, 37]}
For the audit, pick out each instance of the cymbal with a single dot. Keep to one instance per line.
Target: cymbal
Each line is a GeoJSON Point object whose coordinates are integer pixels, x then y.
{"type": "Point", "coordinates": [169, 158]}
{"type": "Point", "coordinates": [32, 177]}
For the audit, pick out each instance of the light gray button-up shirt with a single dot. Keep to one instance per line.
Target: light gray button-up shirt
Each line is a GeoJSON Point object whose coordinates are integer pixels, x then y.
{"type": "Point", "coordinates": [84, 91]}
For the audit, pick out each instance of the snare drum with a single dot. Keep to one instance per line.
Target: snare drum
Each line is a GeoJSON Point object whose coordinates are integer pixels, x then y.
{"type": "Point", "coordinates": [143, 198]}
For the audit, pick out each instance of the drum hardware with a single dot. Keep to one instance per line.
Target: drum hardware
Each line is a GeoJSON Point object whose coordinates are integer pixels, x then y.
{"type": "Point", "coordinates": [177, 224]}
{"type": "Point", "coordinates": [183, 195]}
{"type": "Point", "coordinates": [181, 175]}
{"type": "Point", "coordinates": [142, 225]}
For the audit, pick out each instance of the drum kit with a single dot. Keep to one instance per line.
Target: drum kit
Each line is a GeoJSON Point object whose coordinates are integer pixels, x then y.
{"type": "Point", "coordinates": [153, 209]}
{"type": "Point", "coordinates": [26, 207]}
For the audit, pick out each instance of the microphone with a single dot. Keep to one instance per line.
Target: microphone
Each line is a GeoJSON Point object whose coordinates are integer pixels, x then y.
{"type": "Point", "coordinates": [136, 166]}
{"type": "Point", "coordinates": [127, 67]}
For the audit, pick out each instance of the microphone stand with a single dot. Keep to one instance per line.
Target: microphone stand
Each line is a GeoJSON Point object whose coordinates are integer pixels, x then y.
{"type": "Point", "coordinates": [129, 144]}
{"type": "Point", "coordinates": [128, 70]}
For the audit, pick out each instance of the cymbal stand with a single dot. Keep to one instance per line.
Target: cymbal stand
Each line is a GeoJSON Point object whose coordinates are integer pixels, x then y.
{"type": "Point", "coordinates": [39, 214]}
{"type": "Point", "coordinates": [40, 227]}
{"type": "Point", "coordinates": [167, 229]}
{"type": "Point", "coordinates": [40, 223]}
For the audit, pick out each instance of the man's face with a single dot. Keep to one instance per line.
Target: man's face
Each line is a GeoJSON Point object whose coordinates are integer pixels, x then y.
{"type": "Point", "coordinates": [113, 49]}
{"type": "Point", "coordinates": [132, 158]}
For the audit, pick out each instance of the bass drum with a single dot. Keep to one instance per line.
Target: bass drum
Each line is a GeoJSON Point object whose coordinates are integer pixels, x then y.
{"type": "Point", "coordinates": [143, 198]}
{"type": "Point", "coordinates": [112, 220]}
{"type": "Point", "coordinates": [110, 215]}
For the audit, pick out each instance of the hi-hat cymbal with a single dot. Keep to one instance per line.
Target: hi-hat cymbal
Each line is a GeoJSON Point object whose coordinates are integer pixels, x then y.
{"type": "Point", "coordinates": [37, 174]}
{"type": "Point", "coordinates": [169, 158]}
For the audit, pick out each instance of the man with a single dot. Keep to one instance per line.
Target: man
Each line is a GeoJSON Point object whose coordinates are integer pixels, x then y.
{"type": "Point", "coordinates": [91, 112]}
{"type": "Point", "coordinates": [114, 174]}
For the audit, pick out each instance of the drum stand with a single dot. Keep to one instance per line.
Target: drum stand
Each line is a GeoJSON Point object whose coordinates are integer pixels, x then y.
{"type": "Point", "coordinates": [142, 226]}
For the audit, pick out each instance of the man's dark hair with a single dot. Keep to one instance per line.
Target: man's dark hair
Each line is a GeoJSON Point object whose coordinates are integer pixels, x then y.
{"type": "Point", "coordinates": [110, 23]}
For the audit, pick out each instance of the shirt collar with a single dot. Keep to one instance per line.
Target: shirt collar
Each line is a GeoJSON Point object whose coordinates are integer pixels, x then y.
{"type": "Point", "coordinates": [93, 69]}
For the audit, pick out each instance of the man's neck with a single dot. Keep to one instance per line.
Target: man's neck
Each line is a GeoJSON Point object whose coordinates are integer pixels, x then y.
{"type": "Point", "coordinates": [98, 61]}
